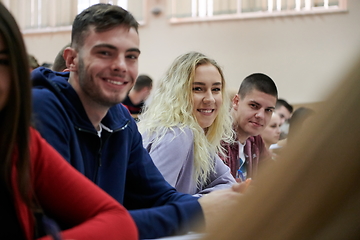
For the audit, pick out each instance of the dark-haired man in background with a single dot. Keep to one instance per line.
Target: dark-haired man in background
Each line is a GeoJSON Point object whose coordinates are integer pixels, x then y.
{"type": "Point", "coordinates": [252, 108]}
{"type": "Point", "coordinates": [135, 100]}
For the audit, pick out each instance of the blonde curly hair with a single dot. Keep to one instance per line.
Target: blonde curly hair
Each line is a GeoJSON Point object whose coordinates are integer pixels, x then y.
{"type": "Point", "coordinates": [172, 106]}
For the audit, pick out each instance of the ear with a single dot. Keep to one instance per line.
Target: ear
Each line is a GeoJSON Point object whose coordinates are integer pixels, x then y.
{"type": "Point", "coordinates": [70, 57]}
{"type": "Point", "coordinates": [235, 102]}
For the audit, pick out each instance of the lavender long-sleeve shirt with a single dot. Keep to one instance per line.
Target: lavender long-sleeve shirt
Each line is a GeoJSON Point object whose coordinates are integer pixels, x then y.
{"type": "Point", "coordinates": [174, 157]}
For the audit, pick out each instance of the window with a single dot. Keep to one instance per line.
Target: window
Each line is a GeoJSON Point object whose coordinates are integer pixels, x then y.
{"type": "Point", "coordinates": [57, 15]}
{"type": "Point", "coordinates": [194, 10]}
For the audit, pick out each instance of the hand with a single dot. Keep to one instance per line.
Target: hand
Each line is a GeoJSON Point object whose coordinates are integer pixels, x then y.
{"type": "Point", "coordinates": [216, 202]}
{"type": "Point", "coordinates": [242, 186]}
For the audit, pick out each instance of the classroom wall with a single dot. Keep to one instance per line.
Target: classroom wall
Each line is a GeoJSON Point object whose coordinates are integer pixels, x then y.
{"type": "Point", "coordinates": [306, 55]}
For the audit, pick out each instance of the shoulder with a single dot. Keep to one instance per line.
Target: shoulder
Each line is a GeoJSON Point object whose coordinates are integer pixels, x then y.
{"type": "Point", "coordinates": [119, 116]}
{"type": "Point", "coordinates": [185, 133]}
{"type": "Point", "coordinates": [46, 78]}
{"type": "Point", "coordinates": [174, 136]}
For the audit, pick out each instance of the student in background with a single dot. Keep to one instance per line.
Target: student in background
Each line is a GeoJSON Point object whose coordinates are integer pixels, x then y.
{"type": "Point", "coordinates": [35, 179]}
{"type": "Point", "coordinates": [185, 122]}
{"type": "Point", "coordinates": [59, 64]}
{"type": "Point", "coordinates": [252, 108]}
{"type": "Point", "coordinates": [135, 100]}
{"type": "Point", "coordinates": [312, 191]}
{"type": "Point", "coordinates": [33, 62]}
{"type": "Point", "coordinates": [271, 134]}
{"type": "Point", "coordinates": [298, 118]}
{"type": "Point", "coordinates": [284, 109]}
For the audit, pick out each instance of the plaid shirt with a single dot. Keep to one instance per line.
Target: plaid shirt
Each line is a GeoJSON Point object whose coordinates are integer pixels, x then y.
{"type": "Point", "coordinates": [254, 151]}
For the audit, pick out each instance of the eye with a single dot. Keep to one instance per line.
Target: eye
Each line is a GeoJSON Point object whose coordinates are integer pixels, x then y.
{"type": "Point", "coordinates": [104, 53]}
{"type": "Point", "coordinates": [269, 110]}
{"type": "Point", "coordinates": [216, 90]}
{"type": "Point", "coordinates": [253, 106]}
{"type": "Point", "coordinates": [132, 56]}
{"type": "Point", "coordinates": [197, 89]}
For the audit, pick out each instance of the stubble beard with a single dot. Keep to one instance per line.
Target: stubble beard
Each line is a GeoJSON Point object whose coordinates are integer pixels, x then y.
{"type": "Point", "coordinates": [87, 84]}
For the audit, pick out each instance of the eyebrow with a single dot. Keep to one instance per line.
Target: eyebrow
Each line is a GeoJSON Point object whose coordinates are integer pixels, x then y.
{"type": "Point", "coordinates": [203, 84]}
{"type": "Point", "coordinates": [253, 101]}
{"type": "Point", "coordinates": [115, 48]}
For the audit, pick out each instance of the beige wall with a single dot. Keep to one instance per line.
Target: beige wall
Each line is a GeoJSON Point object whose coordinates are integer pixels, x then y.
{"type": "Point", "coordinates": [305, 55]}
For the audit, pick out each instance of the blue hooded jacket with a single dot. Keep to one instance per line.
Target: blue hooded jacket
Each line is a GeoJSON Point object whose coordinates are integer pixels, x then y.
{"type": "Point", "coordinates": [117, 162]}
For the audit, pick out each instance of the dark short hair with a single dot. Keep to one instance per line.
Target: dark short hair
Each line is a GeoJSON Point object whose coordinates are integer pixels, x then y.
{"type": "Point", "coordinates": [281, 102]}
{"type": "Point", "coordinates": [33, 62]}
{"type": "Point", "coordinates": [260, 82]}
{"type": "Point", "coordinates": [59, 61]}
{"type": "Point", "coordinates": [142, 81]}
{"type": "Point", "coordinates": [103, 17]}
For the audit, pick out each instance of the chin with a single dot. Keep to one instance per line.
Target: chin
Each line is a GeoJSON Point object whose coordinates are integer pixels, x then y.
{"type": "Point", "coordinates": [204, 126]}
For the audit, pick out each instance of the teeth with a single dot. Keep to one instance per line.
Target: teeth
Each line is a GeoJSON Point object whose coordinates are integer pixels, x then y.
{"type": "Point", "coordinates": [114, 82]}
{"type": "Point", "coordinates": [206, 111]}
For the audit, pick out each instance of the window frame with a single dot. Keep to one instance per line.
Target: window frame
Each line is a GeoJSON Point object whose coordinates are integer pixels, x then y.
{"type": "Point", "coordinates": [341, 8]}
{"type": "Point", "coordinates": [19, 11]}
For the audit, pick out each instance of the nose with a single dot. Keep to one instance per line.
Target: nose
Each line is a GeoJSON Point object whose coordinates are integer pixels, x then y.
{"type": "Point", "coordinates": [119, 64]}
{"type": "Point", "coordinates": [278, 130]}
{"type": "Point", "coordinates": [208, 98]}
{"type": "Point", "coordinates": [259, 114]}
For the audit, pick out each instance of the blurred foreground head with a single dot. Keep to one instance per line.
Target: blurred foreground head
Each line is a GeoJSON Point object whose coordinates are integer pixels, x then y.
{"type": "Point", "coordinates": [312, 190]}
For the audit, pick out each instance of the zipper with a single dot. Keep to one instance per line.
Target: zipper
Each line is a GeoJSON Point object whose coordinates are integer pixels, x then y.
{"type": "Point", "coordinates": [99, 160]}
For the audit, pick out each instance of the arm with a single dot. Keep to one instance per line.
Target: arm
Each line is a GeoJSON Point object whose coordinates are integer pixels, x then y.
{"type": "Point", "coordinates": [157, 208]}
{"type": "Point", "coordinates": [174, 158]}
{"type": "Point", "coordinates": [220, 179]}
{"type": "Point", "coordinates": [73, 201]}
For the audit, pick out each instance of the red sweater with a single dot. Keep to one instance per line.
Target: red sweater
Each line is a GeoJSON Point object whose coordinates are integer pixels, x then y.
{"type": "Point", "coordinates": [69, 197]}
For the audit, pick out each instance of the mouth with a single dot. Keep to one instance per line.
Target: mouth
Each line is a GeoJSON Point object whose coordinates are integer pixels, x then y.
{"type": "Point", "coordinates": [118, 83]}
{"type": "Point", "coordinates": [206, 111]}
{"type": "Point", "coordinates": [256, 124]}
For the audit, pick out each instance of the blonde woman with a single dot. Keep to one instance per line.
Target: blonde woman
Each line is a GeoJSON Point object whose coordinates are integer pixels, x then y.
{"type": "Point", "coordinates": [185, 122]}
{"type": "Point", "coordinates": [271, 133]}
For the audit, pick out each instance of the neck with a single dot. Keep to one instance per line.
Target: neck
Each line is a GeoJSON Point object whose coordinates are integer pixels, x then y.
{"type": "Point", "coordinates": [95, 114]}
{"type": "Point", "coordinates": [95, 111]}
{"type": "Point", "coordinates": [241, 139]}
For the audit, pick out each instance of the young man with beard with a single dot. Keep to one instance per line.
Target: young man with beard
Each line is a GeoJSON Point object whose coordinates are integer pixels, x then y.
{"type": "Point", "coordinates": [252, 108]}
{"type": "Point", "coordinates": [80, 115]}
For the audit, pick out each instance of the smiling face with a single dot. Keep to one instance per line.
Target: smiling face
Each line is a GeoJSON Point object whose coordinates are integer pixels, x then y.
{"type": "Point", "coordinates": [106, 66]}
{"type": "Point", "coordinates": [207, 94]}
{"type": "Point", "coordinates": [271, 133]}
{"type": "Point", "coordinates": [4, 74]}
{"type": "Point", "coordinates": [252, 113]}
